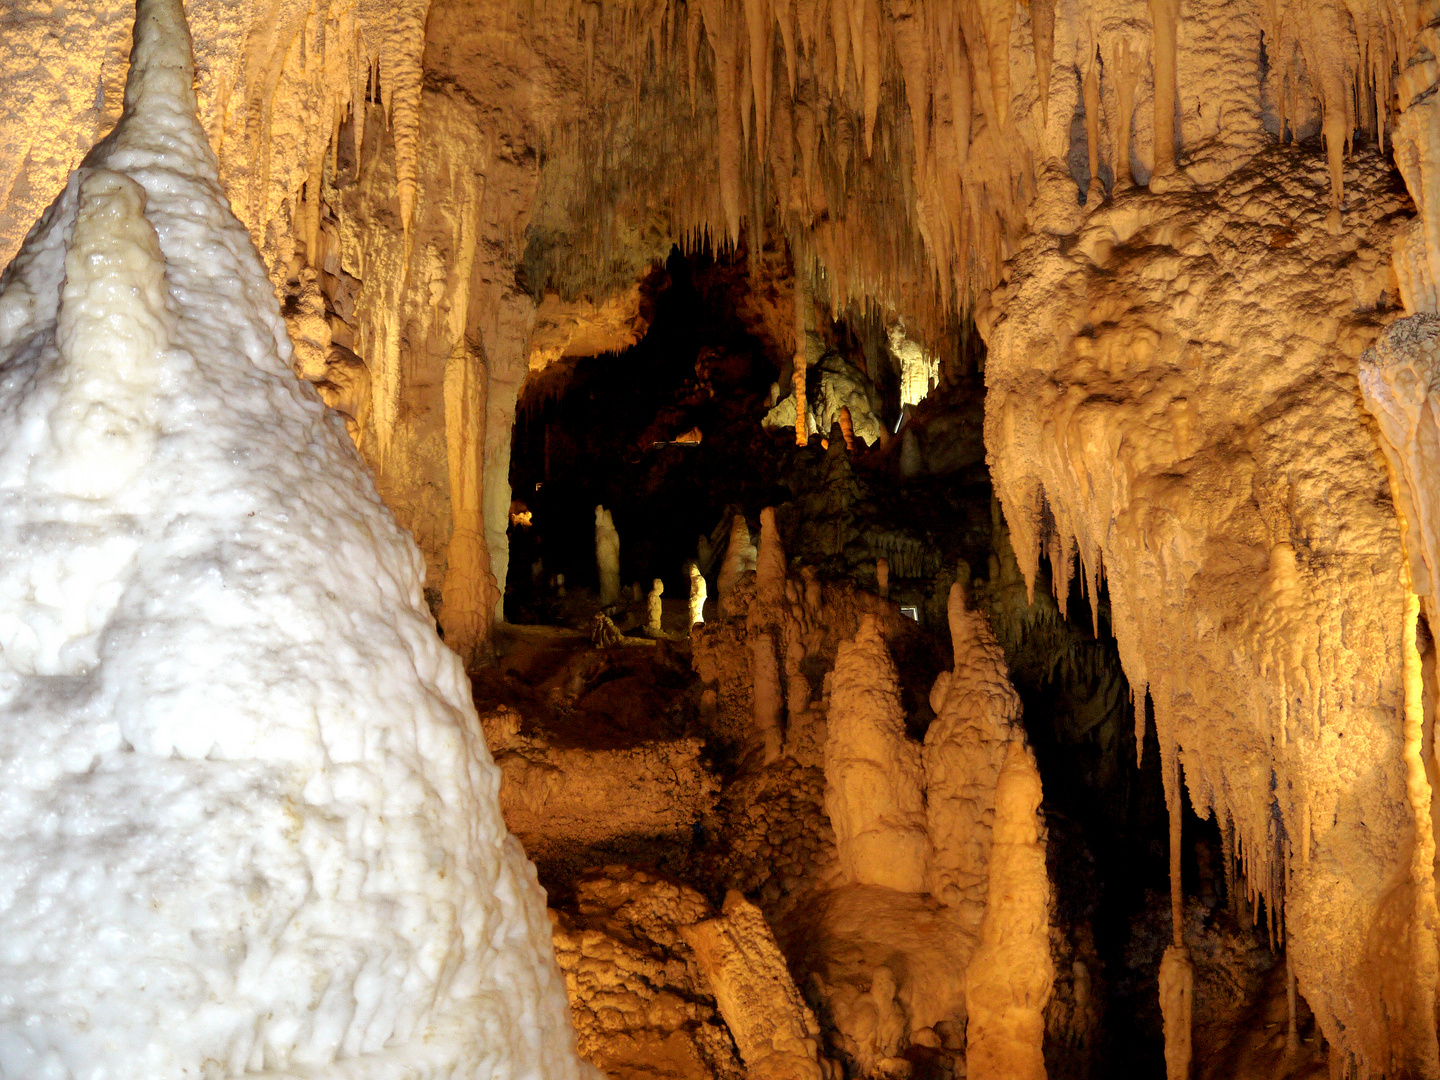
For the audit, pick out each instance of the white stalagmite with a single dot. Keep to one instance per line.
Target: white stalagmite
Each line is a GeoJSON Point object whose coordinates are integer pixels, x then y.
{"type": "Point", "coordinates": [697, 593]}
{"type": "Point", "coordinates": [249, 823]}
{"type": "Point", "coordinates": [607, 555]}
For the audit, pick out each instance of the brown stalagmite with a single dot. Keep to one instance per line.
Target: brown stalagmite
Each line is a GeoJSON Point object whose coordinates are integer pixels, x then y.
{"type": "Point", "coordinates": [1177, 973]}
{"type": "Point", "coordinates": [977, 714]}
{"type": "Point", "coordinates": [1095, 193]}
{"type": "Point", "coordinates": [1042, 28]}
{"type": "Point", "coordinates": [769, 697]}
{"type": "Point", "coordinates": [847, 428]}
{"type": "Point", "coordinates": [1127, 77]}
{"type": "Point", "coordinates": [874, 784]}
{"type": "Point", "coordinates": [469, 593]}
{"type": "Point", "coordinates": [1165, 18]}
{"type": "Point", "coordinates": [1011, 975]}
{"type": "Point", "coordinates": [739, 560]}
{"type": "Point", "coordinates": [770, 566]}
{"type": "Point", "coordinates": [882, 576]}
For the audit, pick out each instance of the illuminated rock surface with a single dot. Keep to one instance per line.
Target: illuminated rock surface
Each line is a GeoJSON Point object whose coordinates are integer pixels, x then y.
{"type": "Point", "coordinates": [249, 821]}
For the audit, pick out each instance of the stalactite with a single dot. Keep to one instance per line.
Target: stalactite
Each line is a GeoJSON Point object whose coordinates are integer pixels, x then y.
{"type": "Point", "coordinates": [997, 15]}
{"type": "Point", "coordinates": [1164, 16]}
{"type": "Point", "coordinates": [1127, 77]}
{"type": "Point", "coordinates": [957, 62]}
{"type": "Point", "coordinates": [1095, 193]}
{"type": "Point", "coordinates": [870, 84]}
{"type": "Point", "coordinates": [1042, 28]}
{"type": "Point", "coordinates": [759, 19]}
{"type": "Point", "coordinates": [787, 39]}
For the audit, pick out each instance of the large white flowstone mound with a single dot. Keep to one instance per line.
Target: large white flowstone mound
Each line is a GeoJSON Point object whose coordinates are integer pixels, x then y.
{"type": "Point", "coordinates": [248, 823]}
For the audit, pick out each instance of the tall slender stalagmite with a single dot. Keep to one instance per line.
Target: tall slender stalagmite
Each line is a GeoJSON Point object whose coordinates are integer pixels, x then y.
{"type": "Point", "coordinates": [1177, 972]}
{"type": "Point", "coordinates": [1011, 975]}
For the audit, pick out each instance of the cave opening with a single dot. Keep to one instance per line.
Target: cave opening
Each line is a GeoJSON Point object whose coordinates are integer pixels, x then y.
{"type": "Point", "coordinates": [620, 430]}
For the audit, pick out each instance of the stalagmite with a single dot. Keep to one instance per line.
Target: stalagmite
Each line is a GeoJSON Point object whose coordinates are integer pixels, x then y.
{"type": "Point", "coordinates": [1010, 977]}
{"type": "Point", "coordinates": [769, 700]}
{"type": "Point", "coordinates": [469, 593]}
{"type": "Point", "coordinates": [882, 576]}
{"type": "Point", "coordinates": [740, 557]}
{"type": "Point", "coordinates": [873, 779]}
{"type": "Point", "coordinates": [1164, 16]}
{"type": "Point", "coordinates": [697, 593]}
{"type": "Point", "coordinates": [977, 715]}
{"type": "Point", "coordinates": [770, 565]}
{"type": "Point", "coordinates": [1177, 971]}
{"type": "Point", "coordinates": [291, 838]}
{"type": "Point", "coordinates": [607, 555]}
{"type": "Point", "coordinates": [655, 609]}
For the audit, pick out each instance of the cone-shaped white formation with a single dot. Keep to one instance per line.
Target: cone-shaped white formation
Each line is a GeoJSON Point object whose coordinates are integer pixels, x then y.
{"type": "Point", "coordinates": [247, 818]}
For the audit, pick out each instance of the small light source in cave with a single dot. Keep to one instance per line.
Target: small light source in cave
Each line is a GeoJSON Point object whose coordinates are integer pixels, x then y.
{"type": "Point", "coordinates": [910, 611]}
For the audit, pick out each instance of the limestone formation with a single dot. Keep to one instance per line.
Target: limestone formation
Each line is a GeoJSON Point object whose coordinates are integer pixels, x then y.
{"type": "Point", "coordinates": [874, 784]}
{"type": "Point", "coordinates": [697, 593]}
{"type": "Point", "coordinates": [283, 850]}
{"type": "Point", "coordinates": [977, 715]}
{"type": "Point", "coordinates": [607, 555]}
{"type": "Point", "coordinates": [770, 569]}
{"type": "Point", "coordinates": [739, 560]}
{"type": "Point", "coordinates": [1174, 229]}
{"type": "Point", "coordinates": [1008, 982]}
{"type": "Point", "coordinates": [774, 1029]}
{"type": "Point", "coordinates": [654, 609]}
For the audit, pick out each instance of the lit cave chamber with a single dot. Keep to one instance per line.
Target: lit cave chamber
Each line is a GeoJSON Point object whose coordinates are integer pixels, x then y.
{"type": "Point", "coordinates": [719, 539]}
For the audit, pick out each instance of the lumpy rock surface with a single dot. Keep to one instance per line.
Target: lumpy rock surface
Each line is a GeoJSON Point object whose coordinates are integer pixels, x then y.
{"type": "Point", "coordinates": [247, 817]}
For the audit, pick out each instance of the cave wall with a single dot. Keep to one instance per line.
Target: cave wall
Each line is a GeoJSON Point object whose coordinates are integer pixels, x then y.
{"type": "Point", "coordinates": [1172, 382]}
